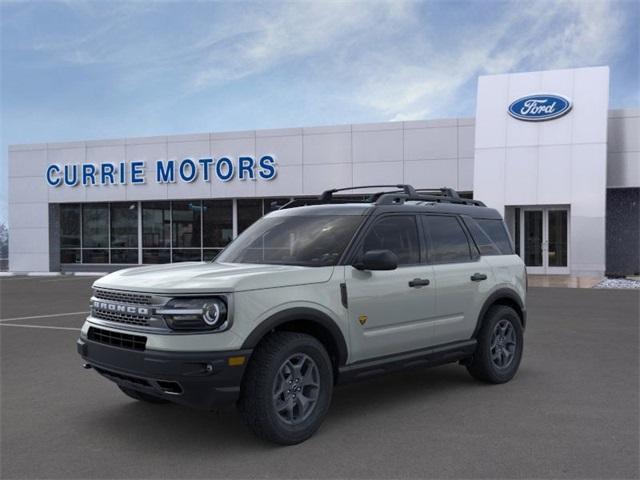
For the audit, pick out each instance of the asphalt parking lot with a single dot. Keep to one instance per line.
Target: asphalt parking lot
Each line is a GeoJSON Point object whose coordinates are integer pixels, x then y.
{"type": "Point", "coordinates": [571, 412]}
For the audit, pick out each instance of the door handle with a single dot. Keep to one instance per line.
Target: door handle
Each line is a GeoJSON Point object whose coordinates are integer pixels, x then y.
{"type": "Point", "coordinates": [419, 282]}
{"type": "Point", "coordinates": [478, 277]}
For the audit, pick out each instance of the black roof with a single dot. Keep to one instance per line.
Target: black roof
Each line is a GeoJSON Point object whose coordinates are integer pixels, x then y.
{"type": "Point", "coordinates": [402, 198]}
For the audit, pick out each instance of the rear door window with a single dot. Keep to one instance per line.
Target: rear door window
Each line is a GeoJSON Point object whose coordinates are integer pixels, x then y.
{"type": "Point", "coordinates": [447, 242]}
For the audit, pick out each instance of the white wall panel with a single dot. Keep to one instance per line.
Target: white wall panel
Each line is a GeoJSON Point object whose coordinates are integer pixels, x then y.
{"type": "Point", "coordinates": [377, 146]}
{"type": "Point", "coordinates": [377, 173]}
{"type": "Point", "coordinates": [590, 105]}
{"type": "Point", "coordinates": [289, 179]}
{"type": "Point", "coordinates": [431, 143]}
{"type": "Point", "coordinates": [493, 95]}
{"type": "Point", "coordinates": [318, 178]}
{"type": "Point", "coordinates": [27, 163]}
{"type": "Point", "coordinates": [554, 175]}
{"type": "Point", "coordinates": [432, 173]}
{"type": "Point", "coordinates": [327, 148]}
{"type": "Point", "coordinates": [588, 180]}
{"type": "Point", "coordinates": [286, 149]}
{"type": "Point", "coordinates": [521, 176]}
{"type": "Point", "coordinates": [28, 215]}
{"type": "Point", "coordinates": [623, 169]}
{"type": "Point", "coordinates": [29, 262]}
{"type": "Point", "coordinates": [465, 173]}
{"type": "Point", "coordinates": [28, 189]}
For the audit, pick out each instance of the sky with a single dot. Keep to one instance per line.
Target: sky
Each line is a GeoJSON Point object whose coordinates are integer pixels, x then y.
{"type": "Point", "coordinates": [74, 70]}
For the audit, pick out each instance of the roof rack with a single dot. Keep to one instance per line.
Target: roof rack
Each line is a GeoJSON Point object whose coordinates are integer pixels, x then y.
{"type": "Point", "coordinates": [327, 195]}
{"type": "Point", "coordinates": [402, 193]}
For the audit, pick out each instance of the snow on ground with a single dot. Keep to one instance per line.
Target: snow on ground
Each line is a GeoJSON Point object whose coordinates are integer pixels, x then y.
{"type": "Point", "coordinates": [618, 283]}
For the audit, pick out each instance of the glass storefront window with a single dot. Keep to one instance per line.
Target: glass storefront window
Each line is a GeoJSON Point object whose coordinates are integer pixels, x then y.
{"type": "Point", "coordinates": [127, 255]}
{"type": "Point", "coordinates": [69, 226]}
{"type": "Point", "coordinates": [156, 255]}
{"type": "Point", "coordinates": [172, 231]}
{"type": "Point", "coordinates": [95, 255]}
{"type": "Point", "coordinates": [186, 255]}
{"type": "Point", "coordinates": [124, 225]}
{"type": "Point", "coordinates": [186, 224]}
{"type": "Point", "coordinates": [95, 225]}
{"type": "Point", "coordinates": [156, 224]}
{"type": "Point", "coordinates": [209, 254]}
{"type": "Point", "coordinates": [217, 223]}
{"type": "Point", "coordinates": [249, 211]}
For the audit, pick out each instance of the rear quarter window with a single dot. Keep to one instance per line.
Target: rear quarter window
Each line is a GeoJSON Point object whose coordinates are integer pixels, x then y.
{"type": "Point", "coordinates": [490, 236]}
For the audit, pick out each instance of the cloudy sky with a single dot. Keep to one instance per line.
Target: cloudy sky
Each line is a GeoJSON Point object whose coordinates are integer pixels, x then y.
{"type": "Point", "coordinates": [81, 70]}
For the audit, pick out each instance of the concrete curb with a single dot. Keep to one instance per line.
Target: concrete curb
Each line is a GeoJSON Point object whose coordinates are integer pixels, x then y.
{"type": "Point", "coordinates": [89, 274]}
{"type": "Point", "coordinates": [7, 274]}
{"type": "Point", "coordinates": [43, 274]}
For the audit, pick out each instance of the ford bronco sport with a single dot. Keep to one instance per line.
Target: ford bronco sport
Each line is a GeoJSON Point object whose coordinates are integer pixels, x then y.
{"type": "Point", "coordinates": [312, 296]}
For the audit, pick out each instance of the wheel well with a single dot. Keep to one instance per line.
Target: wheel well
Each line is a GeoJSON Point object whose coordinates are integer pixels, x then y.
{"type": "Point", "coordinates": [319, 332]}
{"type": "Point", "coordinates": [508, 302]}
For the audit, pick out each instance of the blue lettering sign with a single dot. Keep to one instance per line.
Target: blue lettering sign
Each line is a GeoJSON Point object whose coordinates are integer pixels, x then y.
{"type": "Point", "coordinates": [51, 170]}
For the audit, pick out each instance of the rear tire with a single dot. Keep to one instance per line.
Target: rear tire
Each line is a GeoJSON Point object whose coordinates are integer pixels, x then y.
{"type": "Point", "coordinates": [500, 345]}
{"type": "Point", "coordinates": [286, 390]}
{"type": "Point", "coordinates": [141, 396]}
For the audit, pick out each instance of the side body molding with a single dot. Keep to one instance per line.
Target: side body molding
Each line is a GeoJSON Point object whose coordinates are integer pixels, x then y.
{"type": "Point", "coordinates": [303, 314]}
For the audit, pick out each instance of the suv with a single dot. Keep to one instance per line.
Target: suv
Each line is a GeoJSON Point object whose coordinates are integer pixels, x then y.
{"type": "Point", "coordinates": [312, 296]}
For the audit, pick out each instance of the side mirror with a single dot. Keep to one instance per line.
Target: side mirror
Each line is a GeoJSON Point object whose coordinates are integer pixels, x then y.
{"type": "Point", "coordinates": [377, 260]}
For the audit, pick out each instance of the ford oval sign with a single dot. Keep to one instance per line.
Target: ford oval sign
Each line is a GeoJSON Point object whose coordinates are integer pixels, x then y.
{"type": "Point", "coordinates": [536, 108]}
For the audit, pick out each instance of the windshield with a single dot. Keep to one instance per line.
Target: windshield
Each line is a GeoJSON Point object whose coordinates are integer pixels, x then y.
{"type": "Point", "coordinates": [312, 241]}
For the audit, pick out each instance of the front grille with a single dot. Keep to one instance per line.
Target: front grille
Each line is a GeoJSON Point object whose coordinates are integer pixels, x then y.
{"type": "Point", "coordinates": [117, 339]}
{"type": "Point", "coordinates": [124, 297]}
{"type": "Point", "coordinates": [121, 317]}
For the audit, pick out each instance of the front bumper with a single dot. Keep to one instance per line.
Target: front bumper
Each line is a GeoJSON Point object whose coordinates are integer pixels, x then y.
{"type": "Point", "coordinates": [202, 380]}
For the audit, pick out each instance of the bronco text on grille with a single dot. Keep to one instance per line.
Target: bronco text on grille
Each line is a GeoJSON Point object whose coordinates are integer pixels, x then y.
{"type": "Point", "coordinates": [116, 312]}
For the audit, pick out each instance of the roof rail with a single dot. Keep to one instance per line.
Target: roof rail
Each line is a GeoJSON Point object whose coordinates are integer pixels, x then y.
{"type": "Point", "coordinates": [402, 194]}
{"type": "Point", "coordinates": [327, 195]}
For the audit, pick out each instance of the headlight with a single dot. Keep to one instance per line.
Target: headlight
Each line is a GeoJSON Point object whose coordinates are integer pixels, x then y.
{"type": "Point", "coordinates": [196, 314]}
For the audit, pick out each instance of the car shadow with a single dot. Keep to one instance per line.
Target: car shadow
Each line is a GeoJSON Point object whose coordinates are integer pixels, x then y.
{"type": "Point", "coordinates": [188, 431]}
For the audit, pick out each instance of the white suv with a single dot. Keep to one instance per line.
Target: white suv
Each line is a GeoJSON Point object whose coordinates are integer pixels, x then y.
{"type": "Point", "coordinates": [312, 296]}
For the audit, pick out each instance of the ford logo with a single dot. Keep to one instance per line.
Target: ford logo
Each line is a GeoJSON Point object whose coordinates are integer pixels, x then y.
{"type": "Point", "coordinates": [536, 108]}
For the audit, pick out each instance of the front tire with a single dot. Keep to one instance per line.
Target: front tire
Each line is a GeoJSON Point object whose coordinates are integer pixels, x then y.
{"type": "Point", "coordinates": [500, 345]}
{"type": "Point", "coordinates": [286, 390]}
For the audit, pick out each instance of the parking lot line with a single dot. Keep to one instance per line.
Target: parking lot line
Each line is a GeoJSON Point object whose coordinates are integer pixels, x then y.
{"type": "Point", "coordinates": [34, 317]}
{"type": "Point", "coordinates": [39, 326]}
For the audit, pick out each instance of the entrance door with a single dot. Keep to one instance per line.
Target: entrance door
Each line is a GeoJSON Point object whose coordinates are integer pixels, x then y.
{"type": "Point", "coordinates": [544, 239]}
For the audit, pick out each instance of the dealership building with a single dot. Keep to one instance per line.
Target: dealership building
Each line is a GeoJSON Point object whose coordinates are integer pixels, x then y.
{"type": "Point", "coordinates": [544, 149]}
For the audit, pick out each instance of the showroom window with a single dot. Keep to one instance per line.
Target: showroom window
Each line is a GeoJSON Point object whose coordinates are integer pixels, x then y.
{"type": "Point", "coordinates": [156, 232]}
{"type": "Point", "coordinates": [95, 233]}
{"type": "Point", "coordinates": [249, 211]}
{"type": "Point", "coordinates": [159, 231]}
{"type": "Point", "coordinates": [217, 226]}
{"type": "Point", "coordinates": [186, 231]}
{"type": "Point", "coordinates": [70, 237]}
{"type": "Point", "coordinates": [124, 232]}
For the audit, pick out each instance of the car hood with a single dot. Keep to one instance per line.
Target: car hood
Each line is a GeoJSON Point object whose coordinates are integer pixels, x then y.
{"type": "Point", "coordinates": [200, 277]}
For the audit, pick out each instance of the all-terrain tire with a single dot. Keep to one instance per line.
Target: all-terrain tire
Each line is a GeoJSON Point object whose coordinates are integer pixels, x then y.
{"type": "Point", "coordinates": [500, 344]}
{"type": "Point", "coordinates": [141, 396]}
{"type": "Point", "coordinates": [270, 383]}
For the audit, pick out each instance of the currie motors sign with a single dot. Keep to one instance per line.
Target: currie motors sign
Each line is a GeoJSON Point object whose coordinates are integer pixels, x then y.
{"type": "Point", "coordinates": [537, 108]}
{"type": "Point", "coordinates": [188, 170]}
